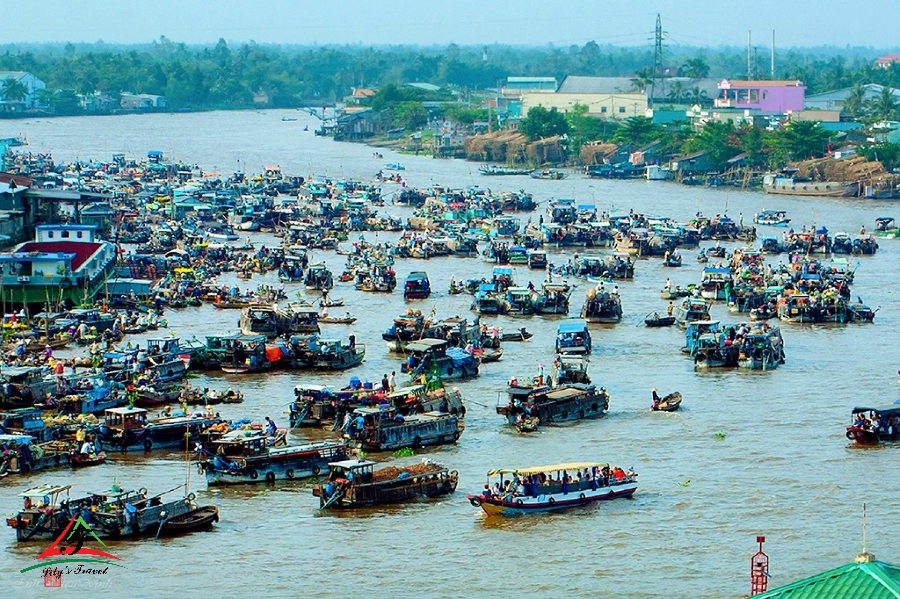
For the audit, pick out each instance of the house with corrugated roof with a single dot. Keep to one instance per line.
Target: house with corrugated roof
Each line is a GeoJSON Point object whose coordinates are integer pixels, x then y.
{"type": "Point", "coordinates": [610, 97]}
{"type": "Point", "coordinates": [32, 85]}
{"type": "Point", "coordinates": [866, 577]}
{"type": "Point", "coordinates": [834, 100]}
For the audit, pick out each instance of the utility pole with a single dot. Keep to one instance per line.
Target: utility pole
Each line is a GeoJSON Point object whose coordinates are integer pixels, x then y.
{"type": "Point", "coordinates": [657, 57]}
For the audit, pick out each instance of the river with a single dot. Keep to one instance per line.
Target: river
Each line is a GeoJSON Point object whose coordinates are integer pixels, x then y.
{"type": "Point", "coordinates": [749, 453]}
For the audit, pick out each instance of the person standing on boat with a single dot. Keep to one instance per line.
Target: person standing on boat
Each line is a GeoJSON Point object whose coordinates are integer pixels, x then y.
{"type": "Point", "coordinates": [656, 399]}
{"type": "Point", "coordinates": [270, 426]}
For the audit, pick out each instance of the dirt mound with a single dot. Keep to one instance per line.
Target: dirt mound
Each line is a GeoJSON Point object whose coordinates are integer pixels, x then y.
{"type": "Point", "coordinates": [853, 168]}
{"type": "Point", "coordinates": [597, 153]}
{"type": "Point", "coordinates": [392, 472]}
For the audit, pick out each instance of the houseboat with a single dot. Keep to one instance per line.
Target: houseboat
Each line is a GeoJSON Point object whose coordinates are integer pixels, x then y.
{"type": "Point", "coordinates": [386, 429]}
{"type": "Point", "coordinates": [519, 301]}
{"type": "Point", "coordinates": [714, 282]}
{"type": "Point", "coordinates": [772, 218]}
{"type": "Point", "coordinates": [762, 349]}
{"type": "Point", "coordinates": [602, 307]}
{"type": "Point", "coordinates": [64, 262]}
{"type": "Point", "coordinates": [573, 337]}
{"type": "Point", "coordinates": [538, 489]}
{"type": "Point", "coordinates": [553, 298]}
{"type": "Point", "coordinates": [552, 404]}
{"type": "Point", "coordinates": [537, 259]}
{"type": "Point", "coordinates": [356, 483]}
{"type": "Point", "coordinates": [434, 357]}
{"type": "Point", "coordinates": [240, 458]}
{"type": "Point", "coordinates": [131, 428]}
{"type": "Point", "coordinates": [797, 186]}
{"type": "Point", "coordinates": [416, 286]}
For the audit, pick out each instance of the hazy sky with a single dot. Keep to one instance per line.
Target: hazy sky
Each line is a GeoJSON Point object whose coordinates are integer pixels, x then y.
{"type": "Point", "coordinates": [560, 22]}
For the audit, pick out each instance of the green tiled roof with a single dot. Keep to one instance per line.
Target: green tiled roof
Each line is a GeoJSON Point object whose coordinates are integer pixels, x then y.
{"type": "Point", "coordinates": [871, 580]}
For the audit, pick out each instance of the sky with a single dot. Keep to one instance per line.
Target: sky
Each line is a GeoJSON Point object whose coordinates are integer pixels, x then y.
{"type": "Point", "coordinates": [712, 23]}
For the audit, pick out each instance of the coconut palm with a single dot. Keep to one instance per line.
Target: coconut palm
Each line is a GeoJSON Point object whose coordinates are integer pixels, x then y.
{"type": "Point", "coordinates": [695, 68]}
{"type": "Point", "coordinates": [14, 90]}
{"type": "Point", "coordinates": [698, 96]}
{"type": "Point", "coordinates": [855, 103]}
{"type": "Point", "coordinates": [677, 91]}
{"type": "Point", "coordinates": [642, 79]}
{"type": "Point", "coordinates": [885, 105]}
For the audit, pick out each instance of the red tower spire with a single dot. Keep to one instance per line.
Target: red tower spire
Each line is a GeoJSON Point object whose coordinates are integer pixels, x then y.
{"type": "Point", "coordinates": [759, 570]}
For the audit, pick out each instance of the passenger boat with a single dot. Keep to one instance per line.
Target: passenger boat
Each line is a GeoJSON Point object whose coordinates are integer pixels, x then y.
{"type": "Point", "coordinates": [885, 227]}
{"type": "Point", "coordinates": [259, 319]}
{"type": "Point", "coordinates": [841, 243]}
{"type": "Point", "coordinates": [866, 246]}
{"type": "Point", "coordinates": [562, 403]}
{"type": "Point", "coordinates": [762, 349]}
{"type": "Point", "coordinates": [416, 286]}
{"type": "Point", "coordinates": [549, 488]}
{"type": "Point", "coordinates": [602, 307]}
{"type": "Point", "coordinates": [772, 218]}
{"type": "Point", "coordinates": [571, 368]}
{"type": "Point", "coordinates": [238, 457]}
{"type": "Point", "coordinates": [337, 319]}
{"type": "Point", "coordinates": [519, 301]}
{"type": "Point", "coordinates": [871, 426]}
{"type": "Point", "coordinates": [434, 357]}
{"type": "Point", "coordinates": [488, 300]}
{"type": "Point", "coordinates": [655, 320]}
{"type": "Point", "coordinates": [493, 169]}
{"type": "Point", "coordinates": [537, 259]}
{"type": "Point", "coordinates": [669, 403]}
{"type": "Point", "coordinates": [385, 429]}
{"type": "Point", "coordinates": [520, 335]}
{"type": "Point", "coordinates": [672, 260]}
{"type": "Point", "coordinates": [45, 515]}
{"type": "Point", "coordinates": [791, 185]}
{"type": "Point", "coordinates": [130, 428]}
{"type": "Point", "coordinates": [332, 354]}
{"type": "Point", "coordinates": [714, 281]}
{"type": "Point", "coordinates": [553, 298]}
{"type": "Point", "coordinates": [356, 483]}
{"type": "Point", "coordinates": [550, 174]}
{"type": "Point", "coordinates": [248, 353]}
{"type": "Point", "coordinates": [573, 337]}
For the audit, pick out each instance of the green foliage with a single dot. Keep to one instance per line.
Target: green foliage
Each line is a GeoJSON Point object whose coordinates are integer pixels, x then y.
{"type": "Point", "coordinates": [886, 153]}
{"type": "Point", "coordinates": [13, 90]}
{"type": "Point", "coordinates": [720, 142]}
{"type": "Point", "coordinates": [404, 453]}
{"type": "Point", "coordinates": [637, 130]}
{"type": "Point", "coordinates": [804, 139]}
{"type": "Point", "coordinates": [584, 128]}
{"type": "Point", "coordinates": [466, 115]}
{"type": "Point", "coordinates": [541, 123]}
{"type": "Point", "coordinates": [409, 115]}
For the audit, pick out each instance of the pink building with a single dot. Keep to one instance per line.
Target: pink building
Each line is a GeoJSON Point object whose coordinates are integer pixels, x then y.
{"type": "Point", "coordinates": [767, 96]}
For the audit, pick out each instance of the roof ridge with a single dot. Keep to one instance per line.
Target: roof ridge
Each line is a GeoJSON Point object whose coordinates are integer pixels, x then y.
{"type": "Point", "coordinates": [877, 570]}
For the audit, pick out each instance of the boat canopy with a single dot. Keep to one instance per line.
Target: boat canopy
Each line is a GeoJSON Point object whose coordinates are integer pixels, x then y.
{"type": "Point", "coordinates": [892, 410]}
{"type": "Point", "coordinates": [45, 489]}
{"type": "Point", "coordinates": [574, 325]}
{"type": "Point", "coordinates": [555, 468]}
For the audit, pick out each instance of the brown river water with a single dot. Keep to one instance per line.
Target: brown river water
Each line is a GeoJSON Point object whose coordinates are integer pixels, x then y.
{"type": "Point", "coordinates": [749, 453]}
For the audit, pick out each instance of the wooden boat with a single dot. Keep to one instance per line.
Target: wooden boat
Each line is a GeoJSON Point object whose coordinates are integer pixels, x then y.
{"type": "Point", "coordinates": [537, 489]}
{"type": "Point", "coordinates": [337, 320]}
{"type": "Point", "coordinates": [232, 305]}
{"type": "Point", "coordinates": [488, 356]}
{"type": "Point", "coordinates": [562, 403]}
{"type": "Point", "coordinates": [356, 483]}
{"type": "Point", "coordinates": [672, 260]}
{"type": "Point", "coordinates": [520, 335]}
{"type": "Point", "coordinates": [528, 425]}
{"type": "Point", "coordinates": [81, 460]}
{"type": "Point", "coordinates": [332, 303]}
{"type": "Point", "coordinates": [871, 426]}
{"type": "Point", "coordinates": [655, 320]}
{"type": "Point", "coordinates": [669, 294]}
{"type": "Point", "coordinates": [200, 518]}
{"type": "Point", "coordinates": [669, 403]}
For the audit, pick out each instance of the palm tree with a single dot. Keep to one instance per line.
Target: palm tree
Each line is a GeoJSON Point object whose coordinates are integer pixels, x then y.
{"type": "Point", "coordinates": [885, 104]}
{"type": "Point", "coordinates": [695, 68]}
{"type": "Point", "coordinates": [14, 90]}
{"type": "Point", "coordinates": [697, 95]}
{"type": "Point", "coordinates": [642, 79]}
{"type": "Point", "coordinates": [677, 91]}
{"type": "Point", "coordinates": [855, 102]}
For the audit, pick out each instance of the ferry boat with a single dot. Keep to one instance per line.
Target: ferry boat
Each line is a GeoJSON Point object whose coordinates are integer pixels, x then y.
{"type": "Point", "coordinates": [130, 428]}
{"type": "Point", "coordinates": [871, 426]}
{"type": "Point", "coordinates": [356, 483]}
{"type": "Point", "coordinates": [64, 262]}
{"type": "Point", "coordinates": [548, 488]}
{"type": "Point", "coordinates": [573, 337]}
{"type": "Point", "coordinates": [552, 404]}
{"type": "Point", "coordinates": [385, 429]}
{"type": "Point", "coordinates": [602, 307]}
{"type": "Point", "coordinates": [416, 286]}
{"type": "Point", "coordinates": [240, 458]}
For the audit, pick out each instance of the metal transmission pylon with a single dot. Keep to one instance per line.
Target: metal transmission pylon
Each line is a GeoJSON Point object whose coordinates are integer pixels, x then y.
{"type": "Point", "coordinates": [657, 57]}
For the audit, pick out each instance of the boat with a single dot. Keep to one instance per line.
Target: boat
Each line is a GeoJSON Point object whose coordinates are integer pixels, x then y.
{"type": "Point", "coordinates": [871, 426]}
{"type": "Point", "coordinates": [672, 260]}
{"type": "Point", "coordinates": [496, 170]}
{"type": "Point", "coordinates": [528, 425]}
{"type": "Point", "coordinates": [676, 292]}
{"type": "Point", "coordinates": [520, 335]}
{"type": "Point", "coordinates": [562, 403]}
{"type": "Point", "coordinates": [201, 518]}
{"type": "Point", "coordinates": [384, 428]}
{"type": "Point", "coordinates": [571, 368]}
{"type": "Point", "coordinates": [84, 460]}
{"type": "Point", "coordinates": [131, 428]}
{"type": "Point", "coordinates": [553, 298]}
{"type": "Point", "coordinates": [337, 319]}
{"type": "Point", "coordinates": [435, 358]}
{"type": "Point", "coordinates": [573, 337]}
{"type": "Point", "coordinates": [356, 483]}
{"type": "Point", "coordinates": [655, 320]}
{"type": "Point", "coordinates": [318, 277]}
{"type": "Point", "coordinates": [550, 488]}
{"type": "Point", "coordinates": [602, 306]}
{"type": "Point", "coordinates": [416, 286]}
{"type": "Point", "coordinates": [762, 348]}
{"type": "Point", "coordinates": [772, 218]}
{"type": "Point", "coordinates": [243, 354]}
{"type": "Point", "coordinates": [715, 279]}
{"type": "Point", "coordinates": [331, 303]}
{"type": "Point", "coordinates": [549, 174]}
{"type": "Point", "coordinates": [793, 185]}
{"type": "Point", "coordinates": [885, 227]}
{"type": "Point", "coordinates": [841, 243]}
{"type": "Point", "coordinates": [487, 356]}
{"type": "Point", "coordinates": [242, 457]}
{"type": "Point", "coordinates": [537, 259]}
{"type": "Point", "coordinates": [689, 310]}
{"type": "Point", "coordinates": [259, 319]}
{"type": "Point", "coordinates": [332, 354]}
{"type": "Point", "coordinates": [865, 245]}
{"type": "Point", "coordinates": [669, 403]}
{"type": "Point", "coordinates": [394, 166]}
{"type": "Point", "coordinates": [45, 515]}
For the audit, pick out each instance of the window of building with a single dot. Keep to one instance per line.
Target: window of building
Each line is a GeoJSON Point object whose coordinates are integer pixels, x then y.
{"type": "Point", "coordinates": [50, 234]}
{"type": "Point", "coordinates": [765, 95]}
{"type": "Point", "coordinates": [602, 109]}
{"type": "Point", "coordinates": [621, 109]}
{"type": "Point", "coordinates": [79, 234]}
{"type": "Point", "coordinates": [65, 234]}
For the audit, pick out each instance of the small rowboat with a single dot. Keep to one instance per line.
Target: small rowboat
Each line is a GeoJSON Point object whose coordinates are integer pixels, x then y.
{"type": "Point", "coordinates": [330, 303]}
{"type": "Point", "coordinates": [487, 357]}
{"type": "Point", "coordinates": [529, 425]}
{"type": "Point", "coordinates": [198, 519]}
{"type": "Point", "coordinates": [655, 320]}
{"type": "Point", "coordinates": [80, 460]}
{"type": "Point", "coordinates": [335, 320]}
{"type": "Point", "coordinates": [521, 335]}
{"type": "Point", "coordinates": [675, 293]}
{"type": "Point", "coordinates": [245, 275]}
{"type": "Point", "coordinates": [669, 403]}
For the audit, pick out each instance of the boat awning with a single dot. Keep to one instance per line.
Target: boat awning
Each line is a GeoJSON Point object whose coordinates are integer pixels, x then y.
{"type": "Point", "coordinates": [894, 409]}
{"type": "Point", "coordinates": [45, 489]}
{"type": "Point", "coordinates": [571, 466]}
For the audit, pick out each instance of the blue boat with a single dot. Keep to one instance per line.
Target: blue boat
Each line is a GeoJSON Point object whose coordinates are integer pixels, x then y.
{"type": "Point", "coordinates": [573, 337]}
